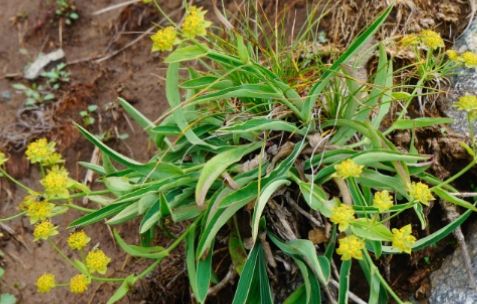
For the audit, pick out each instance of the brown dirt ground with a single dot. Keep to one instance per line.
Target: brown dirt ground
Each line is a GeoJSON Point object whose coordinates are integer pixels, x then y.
{"type": "Point", "coordinates": [136, 75]}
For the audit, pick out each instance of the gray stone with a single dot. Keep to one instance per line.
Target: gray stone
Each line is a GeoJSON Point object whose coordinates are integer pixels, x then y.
{"type": "Point", "coordinates": [6, 96]}
{"type": "Point", "coordinates": [464, 82]}
{"type": "Point", "coordinates": [450, 283]}
{"type": "Point", "coordinates": [40, 63]}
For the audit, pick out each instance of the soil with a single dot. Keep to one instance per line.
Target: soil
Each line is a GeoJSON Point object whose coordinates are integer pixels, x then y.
{"type": "Point", "coordinates": [29, 28]}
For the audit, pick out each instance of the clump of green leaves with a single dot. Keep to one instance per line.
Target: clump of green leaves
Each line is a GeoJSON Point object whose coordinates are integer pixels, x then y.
{"type": "Point", "coordinates": [88, 119]}
{"type": "Point", "coordinates": [57, 75]}
{"type": "Point", "coordinates": [66, 10]}
{"type": "Point", "coordinates": [35, 95]}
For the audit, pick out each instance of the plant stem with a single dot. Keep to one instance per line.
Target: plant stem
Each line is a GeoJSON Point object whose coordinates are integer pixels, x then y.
{"type": "Point", "coordinates": [100, 279]}
{"type": "Point", "coordinates": [73, 206]}
{"type": "Point", "coordinates": [15, 181]}
{"type": "Point", "coordinates": [63, 255]}
{"type": "Point", "coordinates": [375, 270]}
{"type": "Point", "coordinates": [12, 217]}
{"type": "Point", "coordinates": [83, 194]}
{"type": "Point", "coordinates": [457, 175]}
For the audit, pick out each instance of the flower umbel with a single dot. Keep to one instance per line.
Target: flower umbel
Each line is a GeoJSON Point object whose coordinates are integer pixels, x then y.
{"type": "Point", "coordinates": [383, 200]}
{"type": "Point", "coordinates": [44, 230]}
{"type": "Point", "coordinates": [409, 40]}
{"type": "Point", "coordinates": [348, 168]}
{"type": "Point", "coordinates": [78, 240]}
{"type": "Point", "coordinates": [402, 239]}
{"type": "Point", "coordinates": [350, 247]}
{"type": "Point", "coordinates": [194, 23]}
{"type": "Point", "coordinates": [38, 151]}
{"type": "Point", "coordinates": [45, 283]}
{"type": "Point", "coordinates": [56, 183]}
{"type": "Point", "coordinates": [342, 215]}
{"type": "Point", "coordinates": [421, 193]}
{"type": "Point", "coordinates": [467, 103]}
{"type": "Point", "coordinates": [27, 201]}
{"type": "Point", "coordinates": [79, 283]}
{"type": "Point", "coordinates": [39, 211]}
{"type": "Point", "coordinates": [453, 55]}
{"type": "Point", "coordinates": [469, 59]}
{"type": "Point", "coordinates": [164, 40]}
{"type": "Point", "coordinates": [98, 261]}
{"type": "Point", "coordinates": [431, 39]}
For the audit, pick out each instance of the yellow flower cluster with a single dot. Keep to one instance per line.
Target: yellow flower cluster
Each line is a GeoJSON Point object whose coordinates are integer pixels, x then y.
{"type": "Point", "coordinates": [45, 283]}
{"type": "Point", "coordinates": [78, 240]}
{"type": "Point", "coordinates": [383, 201]}
{"type": "Point", "coordinates": [469, 59]}
{"type": "Point", "coordinates": [27, 201]}
{"type": "Point", "coordinates": [348, 168]}
{"type": "Point", "coordinates": [421, 193]}
{"type": "Point", "coordinates": [402, 239]}
{"type": "Point", "coordinates": [39, 151]}
{"type": "Point", "coordinates": [350, 247]}
{"type": "Point", "coordinates": [164, 39]}
{"type": "Point", "coordinates": [39, 211]}
{"type": "Point", "coordinates": [79, 283]}
{"type": "Point", "coordinates": [342, 215]}
{"type": "Point", "coordinates": [467, 103]}
{"type": "Point", "coordinates": [56, 183]}
{"type": "Point", "coordinates": [44, 230]}
{"type": "Point", "coordinates": [428, 38]}
{"type": "Point", "coordinates": [431, 39]}
{"type": "Point", "coordinates": [194, 23]}
{"type": "Point", "coordinates": [98, 261]}
{"type": "Point", "coordinates": [453, 55]}
{"type": "Point", "coordinates": [3, 158]}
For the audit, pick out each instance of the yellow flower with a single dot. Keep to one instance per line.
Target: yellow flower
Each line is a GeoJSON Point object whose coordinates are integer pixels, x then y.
{"type": "Point", "coordinates": [342, 215]}
{"type": "Point", "coordinates": [78, 240]}
{"type": "Point", "coordinates": [348, 168]}
{"type": "Point", "coordinates": [98, 261]}
{"type": "Point", "coordinates": [350, 247]}
{"type": "Point", "coordinates": [38, 151]}
{"type": "Point", "coordinates": [45, 283]}
{"type": "Point", "coordinates": [3, 158]}
{"type": "Point", "coordinates": [164, 39]}
{"type": "Point", "coordinates": [56, 183]}
{"type": "Point", "coordinates": [79, 283]}
{"type": "Point", "coordinates": [467, 103]}
{"type": "Point", "coordinates": [453, 55]}
{"type": "Point", "coordinates": [194, 23]}
{"type": "Point", "coordinates": [39, 211]}
{"type": "Point", "coordinates": [383, 201]}
{"type": "Point", "coordinates": [27, 201]}
{"type": "Point", "coordinates": [44, 230]}
{"type": "Point", "coordinates": [402, 239]}
{"type": "Point", "coordinates": [431, 39]}
{"type": "Point", "coordinates": [53, 159]}
{"type": "Point", "coordinates": [409, 40]}
{"type": "Point", "coordinates": [421, 193]}
{"type": "Point", "coordinates": [469, 59]}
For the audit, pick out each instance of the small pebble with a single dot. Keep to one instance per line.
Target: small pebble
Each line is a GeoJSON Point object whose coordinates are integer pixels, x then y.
{"type": "Point", "coordinates": [6, 96]}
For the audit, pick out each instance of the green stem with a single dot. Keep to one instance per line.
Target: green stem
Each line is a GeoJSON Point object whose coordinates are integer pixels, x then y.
{"type": "Point", "coordinates": [457, 175]}
{"type": "Point", "coordinates": [42, 170]}
{"type": "Point", "coordinates": [375, 270]}
{"type": "Point", "coordinates": [165, 15]}
{"type": "Point", "coordinates": [63, 255]}
{"type": "Point", "coordinates": [471, 130]}
{"type": "Point", "coordinates": [100, 279]}
{"type": "Point", "coordinates": [15, 181]}
{"type": "Point", "coordinates": [73, 206]}
{"type": "Point", "coordinates": [12, 217]}
{"type": "Point", "coordinates": [83, 194]}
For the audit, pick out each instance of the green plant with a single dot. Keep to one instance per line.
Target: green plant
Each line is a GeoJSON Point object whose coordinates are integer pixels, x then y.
{"type": "Point", "coordinates": [86, 115]}
{"type": "Point", "coordinates": [57, 75]}
{"type": "Point", "coordinates": [256, 124]}
{"type": "Point", "coordinates": [67, 10]}
{"type": "Point", "coordinates": [36, 95]}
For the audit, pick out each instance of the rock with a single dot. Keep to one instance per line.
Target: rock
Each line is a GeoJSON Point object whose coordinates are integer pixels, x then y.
{"type": "Point", "coordinates": [6, 96]}
{"type": "Point", "coordinates": [41, 62]}
{"type": "Point", "coordinates": [464, 82]}
{"type": "Point", "coordinates": [450, 283]}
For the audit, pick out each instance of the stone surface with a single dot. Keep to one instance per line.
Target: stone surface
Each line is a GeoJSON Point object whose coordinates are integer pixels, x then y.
{"type": "Point", "coordinates": [41, 62]}
{"type": "Point", "coordinates": [464, 82]}
{"type": "Point", "coordinates": [450, 283]}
